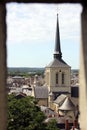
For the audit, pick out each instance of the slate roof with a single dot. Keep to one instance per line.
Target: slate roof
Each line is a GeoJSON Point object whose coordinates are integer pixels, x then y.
{"type": "Point", "coordinates": [57, 52]}
{"type": "Point", "coordinates": [48, 111]}
{"type": "Point", "coordinates": [20, 95]}
{"type": "Point", "coordinates": [67, 105]}
{"type": "Point", "coordinates": [59, 100]}
{"type": "Point", "coordinates": [57, 63]}
{"type": "Point", "coordinates": [41, 92]}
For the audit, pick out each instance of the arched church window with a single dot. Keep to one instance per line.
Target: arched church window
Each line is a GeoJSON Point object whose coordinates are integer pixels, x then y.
{"type": "Point", "coordinates": [63, 78]}
{"type": "Point", "coordinates": [56, 78]}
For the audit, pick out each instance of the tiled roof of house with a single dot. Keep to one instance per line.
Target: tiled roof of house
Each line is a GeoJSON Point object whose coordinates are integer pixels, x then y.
{"type": "Point", "coordinates": [41, 92]}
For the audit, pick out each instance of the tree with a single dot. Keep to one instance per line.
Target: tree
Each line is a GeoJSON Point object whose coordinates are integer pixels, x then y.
{"type": "Point", "coordinates": [24, 114]}
{"type": "Point", "coordinates": [52, 125]}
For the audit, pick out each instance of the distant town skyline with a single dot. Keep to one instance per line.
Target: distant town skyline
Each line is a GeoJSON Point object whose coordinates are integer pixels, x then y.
{"type": "Point", "coordinates": [31, 30]}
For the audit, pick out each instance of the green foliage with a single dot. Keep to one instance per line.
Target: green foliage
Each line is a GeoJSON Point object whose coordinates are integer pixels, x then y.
{"type": "Point", "coordinates": [24, 114]}
{"type": "Point", "coordinates": [52, 125]}
{"type": "Point", "coordinates": [25, 71]}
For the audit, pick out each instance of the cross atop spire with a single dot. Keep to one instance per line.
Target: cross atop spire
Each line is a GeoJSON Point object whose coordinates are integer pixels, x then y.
{"type": "Point", "coordinates": [57, 51]}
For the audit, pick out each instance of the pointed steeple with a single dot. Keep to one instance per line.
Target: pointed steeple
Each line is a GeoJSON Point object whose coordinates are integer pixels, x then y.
{"type": "Point", "coordinates": [57, 51]}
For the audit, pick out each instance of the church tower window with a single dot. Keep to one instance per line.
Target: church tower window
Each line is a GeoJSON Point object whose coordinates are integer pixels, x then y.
{"type": "Point", "coordinates": [63, 78]}
{"type": "Point", "coordinates": [56, 78]}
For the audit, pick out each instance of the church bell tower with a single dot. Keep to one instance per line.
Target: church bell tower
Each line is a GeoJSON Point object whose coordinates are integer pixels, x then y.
{"type": "Point", "coordinates": [57, 73]}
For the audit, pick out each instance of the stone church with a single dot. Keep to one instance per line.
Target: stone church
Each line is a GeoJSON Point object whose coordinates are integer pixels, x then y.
{"type": "Point", "coordinates": [57, 73]}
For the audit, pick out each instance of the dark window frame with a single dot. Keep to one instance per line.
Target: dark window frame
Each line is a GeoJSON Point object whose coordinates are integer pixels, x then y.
{"type": "Point", "coordinates": [57, 78]}
{"type": "Point", "coordinates": [63, 78]}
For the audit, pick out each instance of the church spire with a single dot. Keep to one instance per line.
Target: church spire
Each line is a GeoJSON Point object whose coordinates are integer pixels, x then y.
{"type": "Point", "coordinates": [57, 51]}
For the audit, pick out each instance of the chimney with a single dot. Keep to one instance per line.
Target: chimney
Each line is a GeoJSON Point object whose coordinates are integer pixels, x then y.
{"type": "Point", "coordinates": [75, 124]}
{"type": "Point", "coordinates": [66, 125]}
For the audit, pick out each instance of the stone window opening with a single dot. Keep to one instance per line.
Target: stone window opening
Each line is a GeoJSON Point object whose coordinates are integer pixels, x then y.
{"type": "Point", "coordinates": [83, 61]}
{"type": "Point", "coordinates": [57, 77]}
{"type": "Point", "coordinates": [63, 78]}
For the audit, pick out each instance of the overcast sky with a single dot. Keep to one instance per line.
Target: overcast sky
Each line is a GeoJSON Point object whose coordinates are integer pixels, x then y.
{"type": "Point", "coordinates": [31, 34]}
